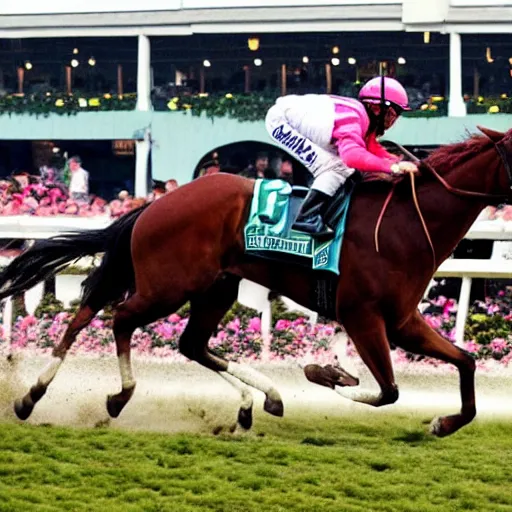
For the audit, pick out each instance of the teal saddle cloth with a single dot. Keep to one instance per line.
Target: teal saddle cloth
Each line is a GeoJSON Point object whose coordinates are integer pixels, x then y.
{"type": "Point", "coordinates": [268, 232]}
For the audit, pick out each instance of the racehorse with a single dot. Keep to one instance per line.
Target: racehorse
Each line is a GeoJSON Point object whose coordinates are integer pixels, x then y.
{"type": "Point", "coordinates": [189, 246]}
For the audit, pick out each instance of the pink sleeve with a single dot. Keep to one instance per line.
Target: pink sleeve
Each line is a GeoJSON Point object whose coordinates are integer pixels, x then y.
{"type": "Point", "coordinates": [377, 149]}
{"type": "Point", "coordinates": [352, 147]}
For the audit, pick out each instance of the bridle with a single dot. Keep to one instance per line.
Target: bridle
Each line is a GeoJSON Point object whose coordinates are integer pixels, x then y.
{"type": "Point", "coordinates": [504, 150]}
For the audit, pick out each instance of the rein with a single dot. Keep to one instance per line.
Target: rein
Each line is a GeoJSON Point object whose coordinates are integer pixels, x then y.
{"type": "Point", "coordinates": [418, 209]}
{"type": "Point", "coordinates": [446, 185]}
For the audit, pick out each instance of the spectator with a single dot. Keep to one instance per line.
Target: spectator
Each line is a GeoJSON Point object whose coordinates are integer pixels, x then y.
{"type": "Point", "coordinates": [79, 181]}
{"type": "Point", "coordinates": [286, 171]}
{"type": "Point", "coordinates": [48, 175]}
{"type": "Point", "coordinates": [22, 178]}
{"type": "Point", "coordinates": [123, 195]}
{"type": "Point", "coordinates": [158, 190]}
{"type": "Point", "coordinates": [211, 167]}
{"type": "Point", "coordinates": [171, 185]}
{"type": "Point", "coordinates": [260, 169]}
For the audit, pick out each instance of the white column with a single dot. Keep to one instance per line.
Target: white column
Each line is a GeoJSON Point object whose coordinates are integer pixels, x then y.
{"type": "Point", "coordinates": [142, 150]}
{"type": "Point", "coordinates": [456, 105]}
{"type": "Point", "coordinates": [7, 319]}
{"type": "Point", "coordinates": [144, 74]}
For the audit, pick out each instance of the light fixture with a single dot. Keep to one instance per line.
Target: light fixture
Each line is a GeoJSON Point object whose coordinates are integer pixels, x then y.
{"type": "Point", "coordinates": [510, 61]}
{"type": "Point", "coordinates": [352, 61]}
{"type": "Point", "coordinates": [75, 51]}
{"type": "Point", "coordinates": [207, 63]}
{"type": "Point", "coordinates": [92, 61]}
{"type": "Point", "coordinates": [401, 61]}
{"type": "Point", "coordinates": [335, 61]}
{"type": "Point", "coordinates": [426, 37]}
{"type": "Point", "coordinates": [488, 55]}
{"type": "Point", "coordinates": [55, 149]}
{"type": "Point", "coordinates": [253, 43]}
{"type": "Point", "coordinates": [335, 50]}
{"type": "Point", "coordinates": [28, 65]}
{"type": "Point", "coordinates": [305, 59]}
{"type": "Point", "coordinates": [258, 62]}
{"type": "Point", "coordinates": [74, 63]}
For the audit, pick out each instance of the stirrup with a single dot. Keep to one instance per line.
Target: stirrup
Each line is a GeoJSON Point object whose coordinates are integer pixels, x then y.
{"type": "Point", "coordinates": [326, 233]}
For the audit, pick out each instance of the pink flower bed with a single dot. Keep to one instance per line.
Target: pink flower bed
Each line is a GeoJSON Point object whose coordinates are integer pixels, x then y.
{"type": "Point", "coordinates": [295, 340]}
{"type": "Point", "coordinates": [489, 327]}
{"type": "Point", "coordinates": [504, 213]}
{"type": "Point", "coordinates": [291, 341]}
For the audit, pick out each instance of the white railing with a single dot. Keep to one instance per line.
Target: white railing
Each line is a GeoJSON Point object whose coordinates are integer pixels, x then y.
{"type": "Point", "coordinates": [499, 266]}
{"type": "Point", "coordinates": [252, 294]}
{"type": "Point", "coordinates": [29, 227]}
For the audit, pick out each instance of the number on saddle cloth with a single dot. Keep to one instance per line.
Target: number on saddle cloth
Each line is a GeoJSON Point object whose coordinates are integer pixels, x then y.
{"type": "Point", "coordinates": [274, 201]}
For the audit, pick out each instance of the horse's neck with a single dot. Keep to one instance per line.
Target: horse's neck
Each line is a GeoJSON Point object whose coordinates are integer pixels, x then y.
{"type": "Point", "coordinates": [449, 216]}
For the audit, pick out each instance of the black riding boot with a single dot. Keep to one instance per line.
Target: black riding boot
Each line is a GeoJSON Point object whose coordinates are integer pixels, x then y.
{"type": "Point", "coordinates": [310, 219]}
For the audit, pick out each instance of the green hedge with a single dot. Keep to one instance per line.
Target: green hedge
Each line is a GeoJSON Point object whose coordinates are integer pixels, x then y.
{"type": "Point", "coordinates": [63, 104]}
{"type": "Point", "coordinates": [244, 107]}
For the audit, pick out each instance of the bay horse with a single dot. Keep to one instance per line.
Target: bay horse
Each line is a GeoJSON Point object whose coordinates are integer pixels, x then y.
{"type": "Point", "coordinates": [189, 246]}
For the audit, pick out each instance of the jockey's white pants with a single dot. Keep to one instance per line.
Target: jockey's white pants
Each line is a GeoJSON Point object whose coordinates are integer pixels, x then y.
{"type": "Point", "coordinates": [302, 126]}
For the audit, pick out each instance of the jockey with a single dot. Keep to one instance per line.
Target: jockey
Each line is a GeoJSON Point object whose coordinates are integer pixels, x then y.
{"type": "Point", "coordinates": [308, 127]}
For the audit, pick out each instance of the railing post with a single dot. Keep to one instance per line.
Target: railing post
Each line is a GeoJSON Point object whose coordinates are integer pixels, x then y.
{"type": "Point", "coordinates": [462, 310]}
{"type": "Point", "coordinates": [7, 320]}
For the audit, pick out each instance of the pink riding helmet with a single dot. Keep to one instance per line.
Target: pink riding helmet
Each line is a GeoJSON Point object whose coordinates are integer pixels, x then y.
{"type": "Point", "coordinates": [393, 92]}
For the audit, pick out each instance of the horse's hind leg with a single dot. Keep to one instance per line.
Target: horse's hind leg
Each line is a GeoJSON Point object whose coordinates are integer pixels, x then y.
{"type": "Point", "coordinates": [135, 312]}
{"type": "Point", "coordinates": [206, 311]}
{"type": "Point", "coordinates": [367, 330]}
{"type": "Point", "coordinates": [418, 337]}
{"type": "Point", "coordinates": [23, 407]}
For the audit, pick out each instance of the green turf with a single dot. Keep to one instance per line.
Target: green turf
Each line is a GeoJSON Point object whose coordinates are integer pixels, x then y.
{"type": "Point", "coordinates": [374, 462]}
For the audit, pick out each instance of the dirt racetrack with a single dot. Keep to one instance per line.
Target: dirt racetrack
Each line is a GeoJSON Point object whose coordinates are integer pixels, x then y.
{"type": "Point", "coordinates": [184, 397]}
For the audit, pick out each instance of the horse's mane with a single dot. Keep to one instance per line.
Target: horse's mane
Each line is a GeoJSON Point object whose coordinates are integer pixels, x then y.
{"type": "Point", "coordinates": [451, 155]}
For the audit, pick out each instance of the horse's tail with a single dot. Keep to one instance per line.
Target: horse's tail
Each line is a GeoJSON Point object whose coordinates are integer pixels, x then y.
{"type": "Point", "coordinates": [47, 257]}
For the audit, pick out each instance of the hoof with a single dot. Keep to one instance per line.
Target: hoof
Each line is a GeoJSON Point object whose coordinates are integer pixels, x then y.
{"type": "Point", "coordinates": [330, 376]}
{"type": "Point", "coordinates": [274, 407]}
{"type": "Point", "coordinates": [245, 418]}
{"type": "Point", "coordinates": [448, 425]}
{"type": "Point", "coordinates": [437, 428]}
{"type": "Point", "coordinates": [21, 410]}
{"type": "Point", "coordinates": [114, 405]}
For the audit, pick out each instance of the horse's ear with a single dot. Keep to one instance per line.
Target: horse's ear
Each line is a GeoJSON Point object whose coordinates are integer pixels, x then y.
{"type": "Point", "coordinates": [492, 134]}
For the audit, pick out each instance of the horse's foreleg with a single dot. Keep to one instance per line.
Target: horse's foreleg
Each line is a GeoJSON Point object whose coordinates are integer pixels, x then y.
{"type": "Point", "coordinates": [23, 407]}
{"type": "Point", "coordinates": [206, 311]}
{"type": "Point", "coordinates": [418, 337]}
{"type": "Point", "coordinates": [367, 330]}
{"type": "Point", "coordinates": [133, 313]}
